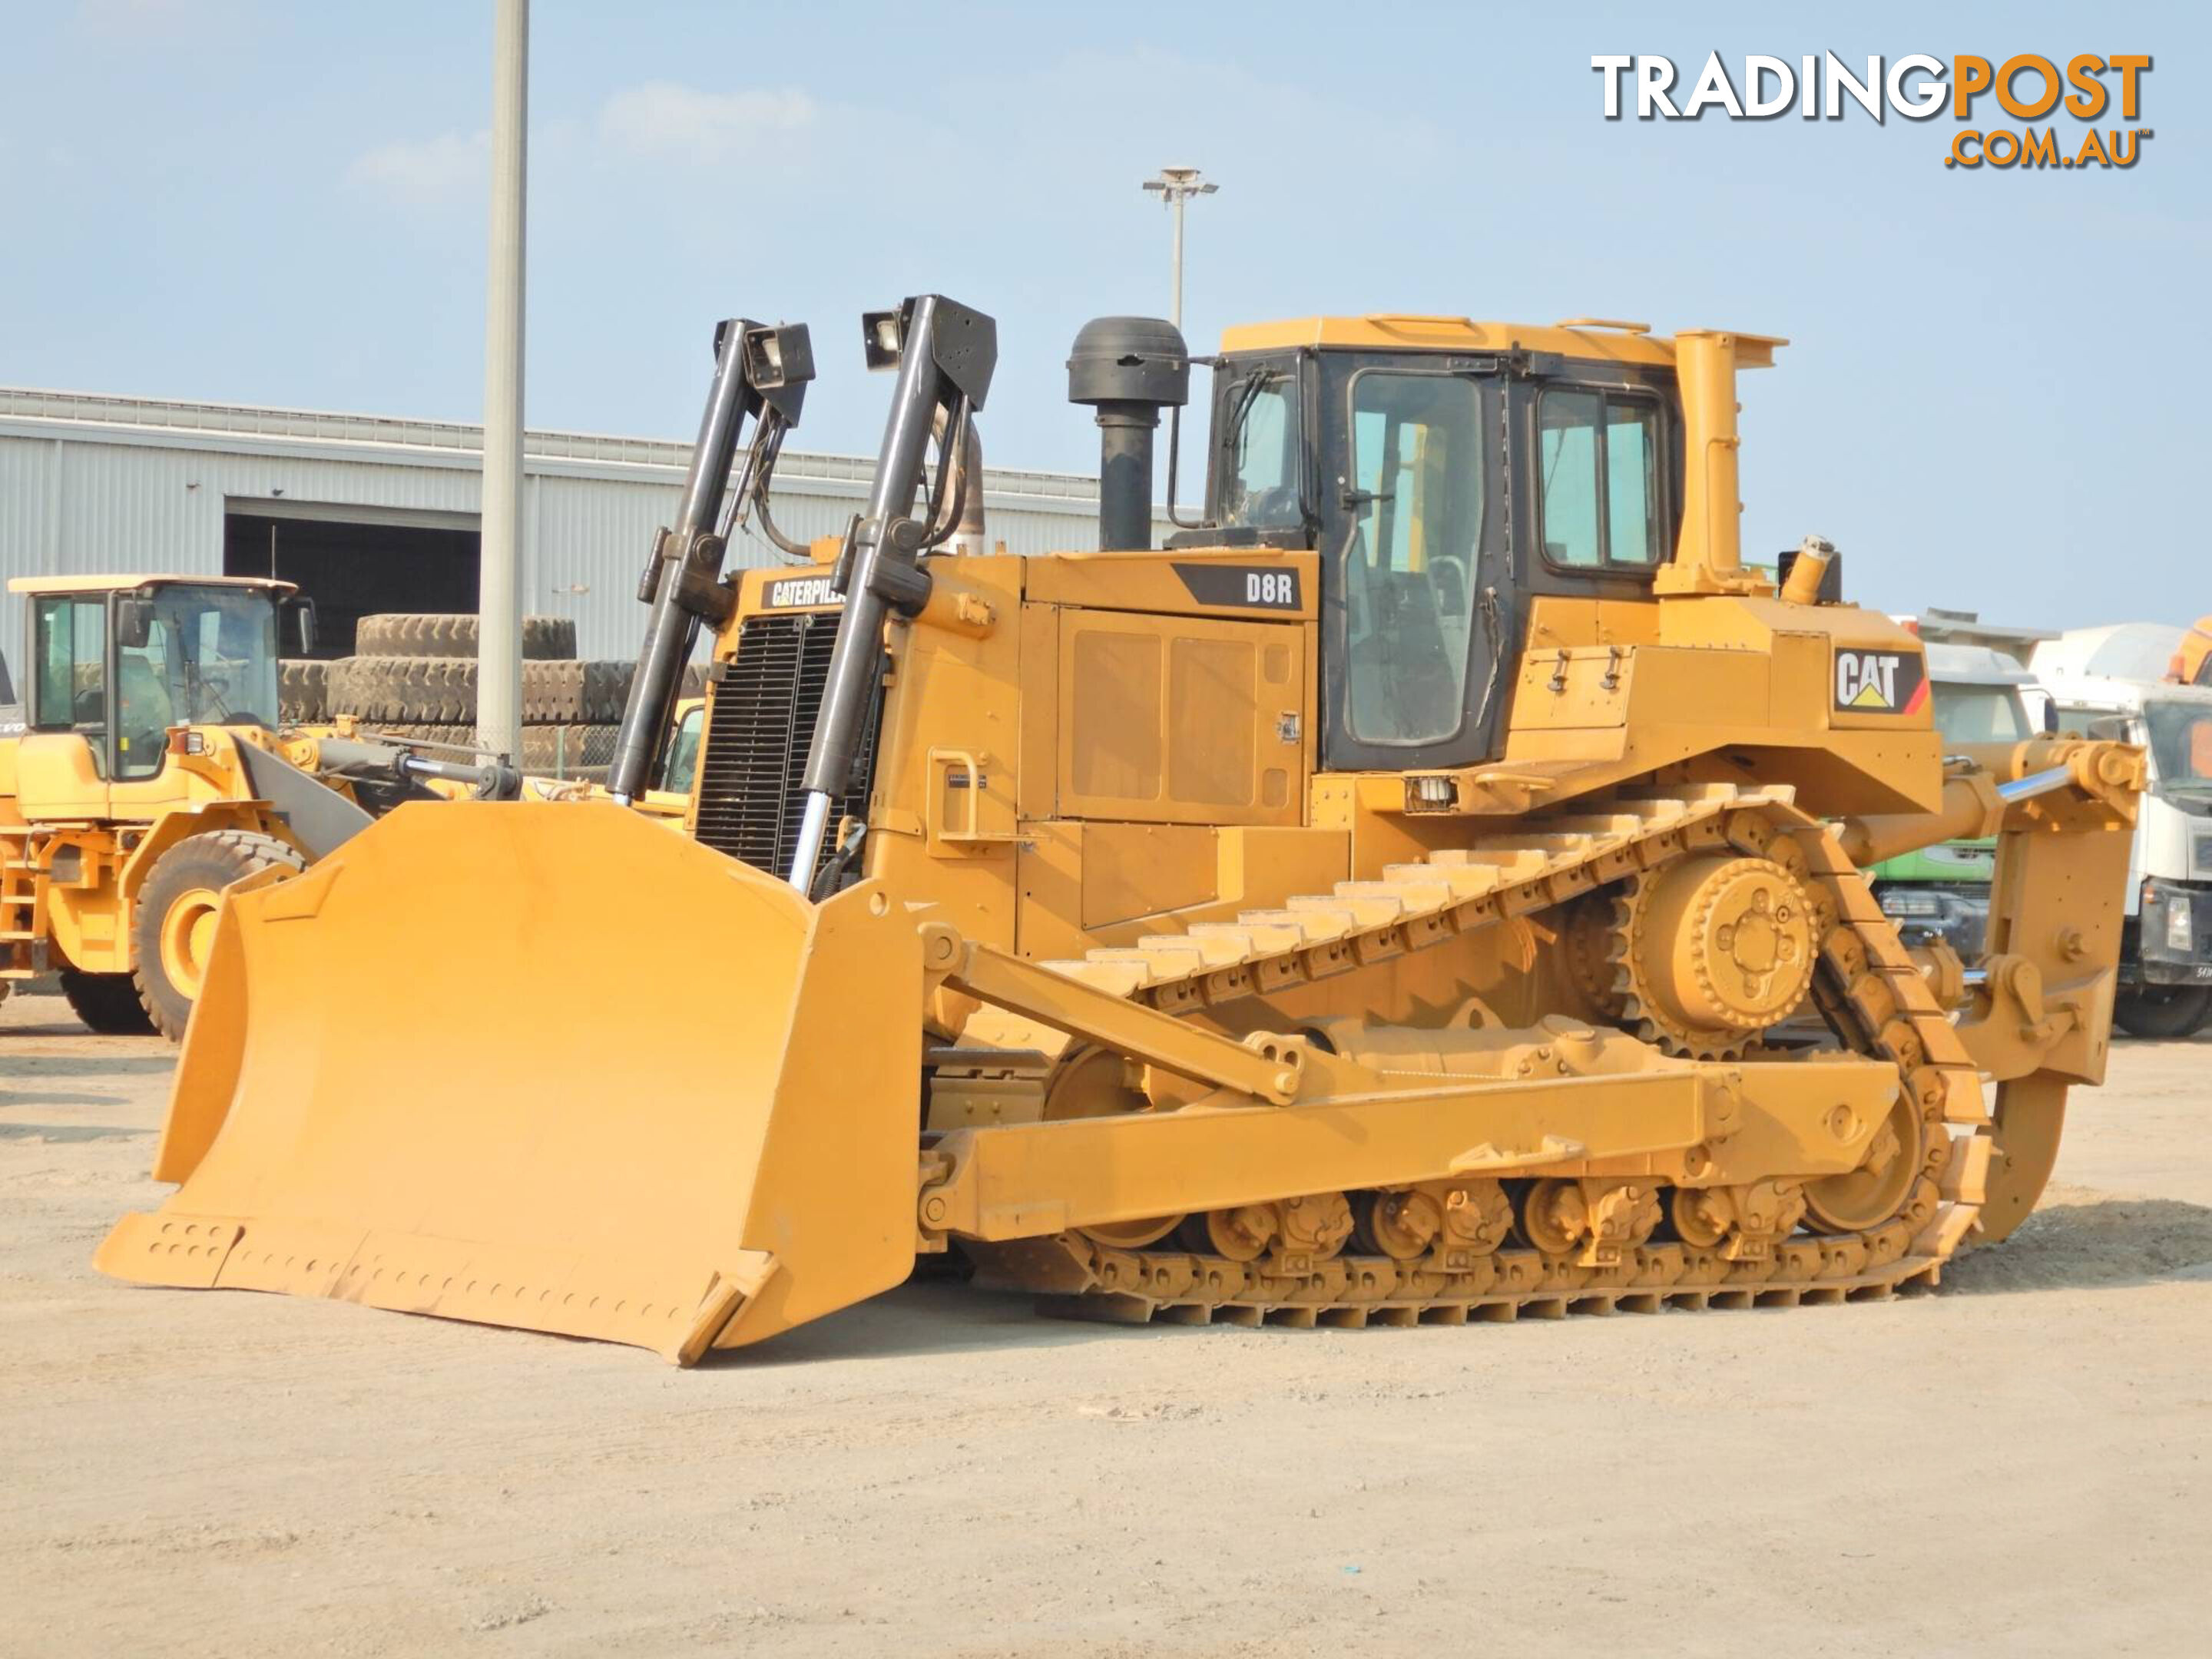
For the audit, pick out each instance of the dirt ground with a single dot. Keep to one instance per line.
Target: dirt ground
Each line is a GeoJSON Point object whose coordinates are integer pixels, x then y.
{"type": "Point", "coordinates": [2018, 1465]}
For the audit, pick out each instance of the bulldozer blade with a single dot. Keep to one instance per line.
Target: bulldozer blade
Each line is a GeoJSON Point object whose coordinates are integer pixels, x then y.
{"type": "Point", "coordinates": [548, 1066]}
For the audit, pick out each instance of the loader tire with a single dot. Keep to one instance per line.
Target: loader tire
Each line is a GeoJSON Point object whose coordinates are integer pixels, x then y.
{"type": "Point", "coordinates": [172, 924]}
{"type": "Point", "coordinates": [108, 1003]}
{"type": "Point", "coordinates": [544, 639]}
{"type": "Point", "coordinates": [2163, 1013]}
{"type": "Point", "coordinates": [303, 692]}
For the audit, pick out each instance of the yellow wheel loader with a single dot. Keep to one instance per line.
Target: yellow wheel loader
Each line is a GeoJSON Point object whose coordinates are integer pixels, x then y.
{"type": "Point", "coordinates": [143, 774]}
{"type": "Point", "coordinates": [1429, 888]}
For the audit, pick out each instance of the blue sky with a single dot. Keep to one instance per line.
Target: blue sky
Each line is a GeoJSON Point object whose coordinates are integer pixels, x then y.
{"type": "Point", "coordinates": [1996, 393]}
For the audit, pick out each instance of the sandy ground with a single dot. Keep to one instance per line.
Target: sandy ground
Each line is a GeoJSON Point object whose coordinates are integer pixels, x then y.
{"type": "Point", "coordinates": [2018, 1465]}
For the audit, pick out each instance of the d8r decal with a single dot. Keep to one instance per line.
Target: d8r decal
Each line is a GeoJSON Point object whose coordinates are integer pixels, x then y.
{"type": "Point", "coordinates": [1261, 588]}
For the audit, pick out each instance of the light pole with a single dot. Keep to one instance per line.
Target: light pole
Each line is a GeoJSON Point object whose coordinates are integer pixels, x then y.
{"type": "Point", "coordinates": [499, 624]}
{"type": "Point", "coordinates": [1175, 186]}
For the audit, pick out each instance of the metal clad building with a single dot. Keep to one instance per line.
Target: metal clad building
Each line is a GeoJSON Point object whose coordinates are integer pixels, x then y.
{"type": "Point", "coordinates": [370, 514]}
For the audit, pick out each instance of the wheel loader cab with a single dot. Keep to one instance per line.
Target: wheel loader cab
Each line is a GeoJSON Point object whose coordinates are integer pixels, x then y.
{"type": "Point", "coordinates": [1444, 485]}
{"type": "Point", "coordinates": [118, 666]}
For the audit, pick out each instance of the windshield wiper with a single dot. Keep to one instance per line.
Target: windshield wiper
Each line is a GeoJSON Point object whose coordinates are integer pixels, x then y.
{"type": "Point", "coordinates": [1246, 395]}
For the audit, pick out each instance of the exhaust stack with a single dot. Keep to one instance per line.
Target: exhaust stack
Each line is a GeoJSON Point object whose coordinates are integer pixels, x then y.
{"type": "Point", "coordinates": [1129, 368]}
{"type": "Point", "coordinates": [967, 487]}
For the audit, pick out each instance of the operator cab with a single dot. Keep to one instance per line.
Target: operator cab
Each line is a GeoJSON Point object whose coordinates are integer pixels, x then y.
{"type": "Point", "coordinates": [119, 663]}
{"type": "Point", "coordinates": [1448, 472]}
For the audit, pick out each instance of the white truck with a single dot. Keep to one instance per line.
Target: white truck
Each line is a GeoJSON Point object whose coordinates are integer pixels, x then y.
{"type": "Point", "coordinates": [2110, 681]}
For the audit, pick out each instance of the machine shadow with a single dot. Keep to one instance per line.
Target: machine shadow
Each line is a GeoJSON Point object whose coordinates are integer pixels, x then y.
{"type": "Point", "coordinates": [2101, 1242]}
{"type": "Point", "coordinates": [161, 1057]}
{"type": "Point", "coordinates": [926, 1316]}
{"type": "Point", "coordinates": [48, 1133]}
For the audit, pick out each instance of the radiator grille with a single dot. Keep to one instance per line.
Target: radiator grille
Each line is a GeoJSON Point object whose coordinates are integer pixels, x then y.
{"type": "Point", "coordinates": [760, 719]}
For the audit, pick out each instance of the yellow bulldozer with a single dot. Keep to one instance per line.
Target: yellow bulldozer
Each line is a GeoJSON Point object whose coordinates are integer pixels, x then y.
{"type": "Point", "coordinates": [1427, 888]}
{"type": "Point", "coordinates": [143, 771]}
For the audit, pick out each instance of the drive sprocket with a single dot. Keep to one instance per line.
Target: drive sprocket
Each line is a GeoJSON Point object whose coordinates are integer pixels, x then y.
{"type": "Point", "coordinates": [1711, 950]}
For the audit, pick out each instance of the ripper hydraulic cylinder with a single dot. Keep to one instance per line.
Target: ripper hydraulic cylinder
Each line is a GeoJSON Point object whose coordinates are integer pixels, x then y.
{"type": "Point", "coordinates": [758, 371]}
{"type": "Point", "coordinates": [944, 353]}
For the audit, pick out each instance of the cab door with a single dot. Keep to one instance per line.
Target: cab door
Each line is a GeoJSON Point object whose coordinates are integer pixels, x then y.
{"type": "Point", "coordinates": [1413, 567]}
{"type": "Point", "coordinates": [63, 764]}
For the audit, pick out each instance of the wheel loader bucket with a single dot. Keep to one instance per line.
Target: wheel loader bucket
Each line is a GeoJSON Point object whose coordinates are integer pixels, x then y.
{"type": "Point", "coordinates": [549, 1066]}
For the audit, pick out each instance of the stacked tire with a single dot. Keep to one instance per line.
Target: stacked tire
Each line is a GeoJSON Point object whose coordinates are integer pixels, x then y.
{"type": "Point", "coordinates": [437, 634]}
{"type": "Point", "coordinates": [415, 676]}
{"type": "Point", "coordinates": [303, 691]}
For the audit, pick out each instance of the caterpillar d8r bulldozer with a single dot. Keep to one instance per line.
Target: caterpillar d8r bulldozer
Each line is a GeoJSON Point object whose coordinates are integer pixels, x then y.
{"type": "Point", "coordinates": [1429, 888]}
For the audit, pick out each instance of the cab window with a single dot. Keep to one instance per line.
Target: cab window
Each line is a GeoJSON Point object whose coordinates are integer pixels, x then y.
{"type": "Point", "coordinates": [1407, 566]}
{"type": "Point", "coordinates": [1260, 455]}
{"type": "Point", "coordinates": [683, 761]}
{"type": "Point", "coordinates": [1980, 714]}
{"type": "Point", "coordinates": [68, 690]}
{"type": "Point", "coordinates": [2180, 743]}
{"type": "Point", "coordinates": [143, 707]}
{"type": "Point", "coordinates": [1598, 456]}
{"type": "Point", "coordinates": [207, 656]}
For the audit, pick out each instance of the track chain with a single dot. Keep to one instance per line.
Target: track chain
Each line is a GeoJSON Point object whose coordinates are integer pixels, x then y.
{"type": "Point", "coordinates": [1867, 986]}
